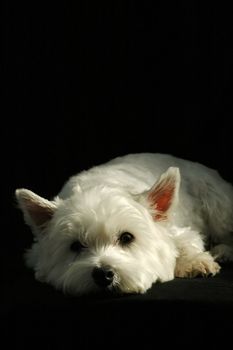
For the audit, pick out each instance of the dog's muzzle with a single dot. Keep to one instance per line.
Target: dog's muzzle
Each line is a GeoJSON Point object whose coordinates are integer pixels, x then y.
{"type": "Point", "coordinates": [103, 277]}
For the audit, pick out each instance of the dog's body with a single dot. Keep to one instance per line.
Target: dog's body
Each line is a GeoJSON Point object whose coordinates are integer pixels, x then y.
{"type": "Point", "coordinates": [131, 222]}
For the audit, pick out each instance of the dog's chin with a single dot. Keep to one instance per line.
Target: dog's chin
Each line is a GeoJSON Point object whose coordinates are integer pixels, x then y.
{"type": "Point", "coordinates": [114, 290]}
{"type": "Point", "coordinates": [122, 289]}
{"type": "Point", "coordinates": [95, 290]}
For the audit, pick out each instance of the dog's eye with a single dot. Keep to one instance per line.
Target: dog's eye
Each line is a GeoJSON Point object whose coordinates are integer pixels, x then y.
{"type": "Point", "coordinates": [126, 238]}
{"type": "Point", "coordinates": [77, 247]}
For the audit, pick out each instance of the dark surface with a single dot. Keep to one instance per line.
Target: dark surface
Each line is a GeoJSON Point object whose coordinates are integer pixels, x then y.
{"type": "Point", "coordinates": [84, 84]}
{"type": "Point", "coordinates": [177, 311]}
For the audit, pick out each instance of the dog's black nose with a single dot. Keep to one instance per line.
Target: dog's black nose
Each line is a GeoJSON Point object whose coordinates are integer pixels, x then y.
{"type": "Point", "coordinates": [103, 277]}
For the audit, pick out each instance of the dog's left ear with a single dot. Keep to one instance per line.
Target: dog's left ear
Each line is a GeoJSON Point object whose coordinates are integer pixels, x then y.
{"type": "Point", "coordinates": [164, 193]}
{"type": "Point", "coordinates": [37, 211]}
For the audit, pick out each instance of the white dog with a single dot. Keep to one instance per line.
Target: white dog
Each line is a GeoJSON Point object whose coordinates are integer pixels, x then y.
{"type": "Point", "coordinates": [126, 224]}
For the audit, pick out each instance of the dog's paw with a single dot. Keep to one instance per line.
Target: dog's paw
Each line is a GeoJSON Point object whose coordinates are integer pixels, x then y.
{"type": "Point", "coordinates": [202, 264]}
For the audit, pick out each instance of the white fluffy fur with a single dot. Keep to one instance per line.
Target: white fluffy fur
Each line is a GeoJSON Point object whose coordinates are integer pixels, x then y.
{"type": "Point", "coordinates": [97, 205]}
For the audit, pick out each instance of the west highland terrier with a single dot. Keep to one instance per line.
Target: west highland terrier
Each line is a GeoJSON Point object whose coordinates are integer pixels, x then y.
{"type": "Point", "coordinates": [126, 224]}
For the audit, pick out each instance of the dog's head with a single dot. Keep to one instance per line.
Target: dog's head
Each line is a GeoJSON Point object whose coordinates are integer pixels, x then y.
{"type": "Point", "coordinates": [103, 237]}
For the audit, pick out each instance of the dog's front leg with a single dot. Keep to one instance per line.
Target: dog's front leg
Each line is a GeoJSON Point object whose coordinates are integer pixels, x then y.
{"type": "Point", "coordinates": [193, 260]}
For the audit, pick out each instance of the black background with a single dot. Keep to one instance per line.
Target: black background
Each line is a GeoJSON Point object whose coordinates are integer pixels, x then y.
{"type": "Point", "coordinates": [89, 82]}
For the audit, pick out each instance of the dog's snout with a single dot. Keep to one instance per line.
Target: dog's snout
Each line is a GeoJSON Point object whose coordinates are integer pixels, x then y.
{"type": "Point", "coordinates": [103, 277]}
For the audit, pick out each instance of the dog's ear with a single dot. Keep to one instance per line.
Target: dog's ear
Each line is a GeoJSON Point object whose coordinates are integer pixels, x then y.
{"type": "Point", "coordinates": [37, 210]}
{"type": "Point", "coordinates": [164, 194]}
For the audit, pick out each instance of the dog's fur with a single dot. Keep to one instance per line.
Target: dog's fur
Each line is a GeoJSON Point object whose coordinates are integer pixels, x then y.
{"type": "Point", "coordinates": [131, 222]}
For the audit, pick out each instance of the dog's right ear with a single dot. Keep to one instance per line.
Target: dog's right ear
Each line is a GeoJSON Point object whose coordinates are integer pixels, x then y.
{"type": "Point", "coordinates": [37, 210]}
{"type": "Point", "coordinates": [163, 195]}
